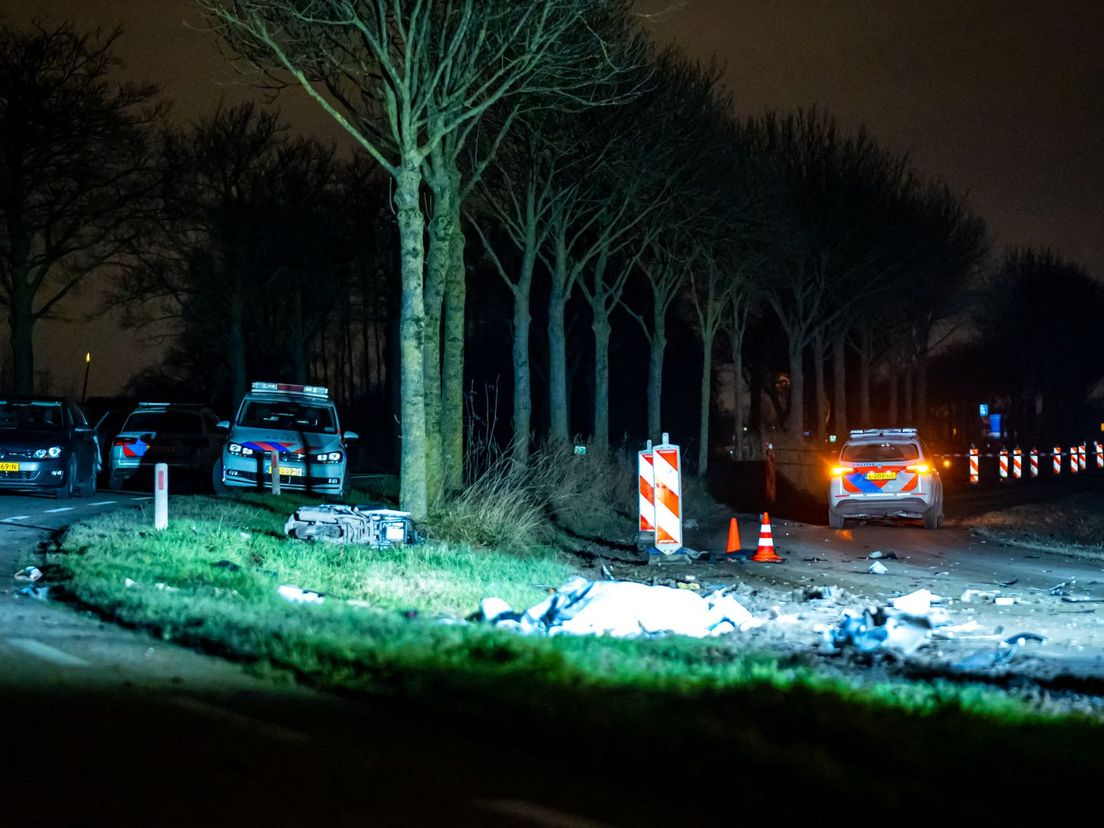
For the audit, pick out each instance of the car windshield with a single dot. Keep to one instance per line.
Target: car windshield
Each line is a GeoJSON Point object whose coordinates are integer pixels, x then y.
{"type": "Point", "coordinates": [46, 415]}
{"type": "Point", "coordinates": [879, 452]}
{"type": "Point", "coordinates": [287, 416]}
{"type": "Point", "coordinates": [171, 422]}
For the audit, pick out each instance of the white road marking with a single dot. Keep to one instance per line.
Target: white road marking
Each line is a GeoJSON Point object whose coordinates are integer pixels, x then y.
{"type": "Point", "coordinates": [47, 653]}
{"type": "Point", "coordinates": [103, 503]}
{"type": "Point", "coordinates": [535, 814]}
{"type": "Point", "coordinates": [61, 509]}
{"type": "Point", "coordinates": [15, 517]}
{"type": "Point", "coordinates": [240, 720]}
{"type": "Point", "coordinates": [147, 497]}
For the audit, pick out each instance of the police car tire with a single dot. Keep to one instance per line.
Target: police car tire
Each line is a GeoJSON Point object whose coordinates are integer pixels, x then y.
{"type": "Point", "coordinates": [932, 518]}
{"type": "Point", "coordinates": [216, 478]}
{"type": "Point", "coordinates": [835, 520]}
{"type": "Point", "coordinates": [66, 491]}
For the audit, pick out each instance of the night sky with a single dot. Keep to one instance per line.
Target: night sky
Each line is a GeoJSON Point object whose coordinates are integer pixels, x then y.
{"type": "Point", "coordinates": [1000, 99]}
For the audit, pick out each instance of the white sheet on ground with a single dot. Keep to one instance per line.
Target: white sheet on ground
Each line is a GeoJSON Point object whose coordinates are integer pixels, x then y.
{"type": "Point", "coordinates": [622, 609]}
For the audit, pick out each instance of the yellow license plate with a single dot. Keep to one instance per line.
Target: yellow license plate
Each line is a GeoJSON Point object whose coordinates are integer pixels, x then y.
{"type": "Point", "coordinates": [881, 475]}
{"type": "Point", "coordinates": [286, 471]}
{"type": "Point", "coordinates": [9, 467]}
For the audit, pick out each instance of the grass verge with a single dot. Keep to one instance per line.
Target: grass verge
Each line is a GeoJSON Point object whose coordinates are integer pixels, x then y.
{"type": "Point", "coordinates": [211, 580]}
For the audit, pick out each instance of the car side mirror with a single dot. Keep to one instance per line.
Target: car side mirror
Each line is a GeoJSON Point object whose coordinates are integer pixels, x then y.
{"type": "Point", "coordinates": [223, 425]}
{"type": "Point", "coordinates": [350, 435]}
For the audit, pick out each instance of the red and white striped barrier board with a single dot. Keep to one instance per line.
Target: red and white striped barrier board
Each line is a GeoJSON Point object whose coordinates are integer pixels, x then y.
{"type": "Point", "coordinates": [1017, 463]}
{"type": "Point", "coordinates": [1057, 460]}
{"type": "Point", "coordinates": [973, 465]}
{"type": "Point", "coordinates": [1099, 454]}
{"type": "Point", "coordinates": [1082, 459]}
{"type": "Point", "coordinates": [647, 490]}
{"type": "Point", "coordinates": [1075, 463]}
{"type": "Point", "coordinates": [1033, 463]}
{"type": "Point", "coordinates": [1004, 464]}
{"type": "Point", "coordinates": [668, 497]}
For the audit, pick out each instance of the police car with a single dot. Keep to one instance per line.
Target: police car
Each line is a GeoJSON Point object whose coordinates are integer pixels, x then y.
{"type": "Point", "coordinates": [299, 423]}
{"type": "Point", "coordinates": [182, 436]}
{"type": "Point", "coordinates": [885, 473]}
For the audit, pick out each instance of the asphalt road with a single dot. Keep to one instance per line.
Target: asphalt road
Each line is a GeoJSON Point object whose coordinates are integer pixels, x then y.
{"type": "Point", "coordinates": [107, 726]}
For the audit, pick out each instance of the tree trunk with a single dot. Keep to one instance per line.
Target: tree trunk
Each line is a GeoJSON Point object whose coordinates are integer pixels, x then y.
{"type": "Point", "coordinates": [839, 379]}
{"type": "Point", "coordinates": [21, 325]}
{"type": "Point", "coordinates": [737, 342]}
{"type": "Point", "coordinates": [908, 412]}
{"type": "Point", "coordinates": [235, 304]}
{"type": "Point", "coordinates": [821, 388]}
{"type": "Point", "coordinates": [557, 345]}
{"type": "Point", "coordinates": [658, 344]}
{"type": "Point", "coordinates": [795, 419]}
{"type": "Point", "coordinates": [523, 393]}
{"type": "Point", "coordinates": [891, 414]}
{"type": "Point", "coordinates": [864, 384]}
{"type": "Point", "coordinates": [452, 374]}
{"type": "Point", "coordinates": [601, 328]}
{"type": "Point", "coordinates": [436, 275]}
{"type": "Point", "coordinates": [705, 403]}
{"type": "Point", "coordinates": [412, 474]}
{"type": "Point", "coordinates": [920, 378]}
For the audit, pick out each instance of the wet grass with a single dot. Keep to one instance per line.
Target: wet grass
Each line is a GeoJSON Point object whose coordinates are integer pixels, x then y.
{"type": "Point", "coordinates": [392, 622]}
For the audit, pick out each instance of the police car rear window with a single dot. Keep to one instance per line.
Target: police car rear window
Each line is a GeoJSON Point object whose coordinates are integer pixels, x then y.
{"type": "Point", "coordinates": [170, 422]}
{"type": "Point", "coordinates": [879, 452]}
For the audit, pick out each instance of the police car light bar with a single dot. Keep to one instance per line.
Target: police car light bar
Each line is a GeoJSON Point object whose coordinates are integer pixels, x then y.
{"type": "Point", "coordinates": [877, 432]}
{"type": "Point", "coordinates": [288, 388]}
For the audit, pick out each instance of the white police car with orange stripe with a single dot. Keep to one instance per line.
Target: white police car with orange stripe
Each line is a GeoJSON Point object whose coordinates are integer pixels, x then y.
{"type": "Point", "coordinates": [299, 423]}
{"type": "Point", "coordinates": [885, 473]}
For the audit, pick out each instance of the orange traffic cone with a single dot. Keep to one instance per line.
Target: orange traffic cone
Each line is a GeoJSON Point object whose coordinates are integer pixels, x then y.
{"type": "Point", "coordinates": [733, 545]}
{"type": "Point", "coordinates": [765, 553]}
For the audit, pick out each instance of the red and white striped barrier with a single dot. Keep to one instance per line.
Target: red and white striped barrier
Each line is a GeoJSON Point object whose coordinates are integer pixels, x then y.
{"type": "Point", "coordinates": [1075, 463]}
{"type": "Point", "coordinates": [646, 475]}
{"type": "Point", "coordinates": [1099, 454]}
{"type": "Point", "coordinates": [1033, 463]}
{"type": "Point", "coordinates": [1082, 459]}
{"type": "Point", "coordinates": [667, 466]}
{"type": "Point", "coordinates": [1057, 460]}
{"type": "Point", "coordinates": [973, 465]}
{"type": "Point", "coordinates": [1004, 464]}
{"type": "Point", "coordinates": [1017, 463]}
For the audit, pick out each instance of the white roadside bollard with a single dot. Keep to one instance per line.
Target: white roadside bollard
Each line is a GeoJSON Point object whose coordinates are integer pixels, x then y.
{"type": "Point", "coordinates": [274, 462]}
{"type": "Point", "coordinates": [161, 496]}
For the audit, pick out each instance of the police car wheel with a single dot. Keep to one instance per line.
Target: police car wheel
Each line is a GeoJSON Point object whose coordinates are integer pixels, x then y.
{"type": "Point", "coordinates": [216, 479]}
{"type": "Point", "coordinates": [932, 518]}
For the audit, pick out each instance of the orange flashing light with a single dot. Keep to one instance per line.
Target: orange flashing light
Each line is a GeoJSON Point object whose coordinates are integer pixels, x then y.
{"type": "Point", "coordinates": [919, 468]}
{"type": "Point", "coordinates": [837, 471]}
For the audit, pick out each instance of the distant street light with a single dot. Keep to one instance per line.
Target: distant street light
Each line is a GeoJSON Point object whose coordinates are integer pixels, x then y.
{"type": "Point", "coordinates": [87, 366]}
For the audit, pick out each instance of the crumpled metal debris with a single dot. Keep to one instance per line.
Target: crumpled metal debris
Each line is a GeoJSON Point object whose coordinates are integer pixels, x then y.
{"type": "Point", "coordinates": [342, 523]}
{"type": "Point", "coordinates": [877, 568]}
{"type": "Point", "coordinates": [623, 609]}
{"type": "Point", "coordinates": [999, 656]}
{"type": "Point", "coordinates": [902, 627]}
{"type": "Point", "coordinates": [28, 573]}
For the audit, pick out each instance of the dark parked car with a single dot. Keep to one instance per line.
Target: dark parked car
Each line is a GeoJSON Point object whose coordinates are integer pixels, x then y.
{"type": "Point", "coordinates": [46, 444]}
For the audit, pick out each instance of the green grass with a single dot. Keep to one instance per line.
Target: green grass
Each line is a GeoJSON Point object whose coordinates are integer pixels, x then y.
{"type": "Point", "coordinates": [211, 580]}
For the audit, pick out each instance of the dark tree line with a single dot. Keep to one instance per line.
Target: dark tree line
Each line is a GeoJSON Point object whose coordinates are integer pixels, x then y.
{"type": "Point", "coordinates": [532, 174]}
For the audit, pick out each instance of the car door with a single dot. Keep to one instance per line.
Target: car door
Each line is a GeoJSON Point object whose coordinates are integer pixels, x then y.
{"type": "Point", "coordinates": [84, 442]}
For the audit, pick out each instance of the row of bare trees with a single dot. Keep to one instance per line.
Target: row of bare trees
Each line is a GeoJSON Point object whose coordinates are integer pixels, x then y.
{"type": "Point", "coordinates": [545, 141]}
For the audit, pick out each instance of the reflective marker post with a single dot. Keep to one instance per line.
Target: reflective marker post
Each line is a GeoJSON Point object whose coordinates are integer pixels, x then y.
{"type": "Point", "coordinates": [274, 463]}
{"type": "Point", "coordinates": [1017, 463]}
{"type": "Point", "coordinates": [973, 465]}
{"type": "Point", "coordinates": [161, 496]}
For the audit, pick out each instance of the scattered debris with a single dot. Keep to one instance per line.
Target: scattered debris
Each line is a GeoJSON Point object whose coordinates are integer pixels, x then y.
{"type": "Point", "coordinates": [1003, 654]}
{"type": "Point", "coordinates": [916, 603]}
{"type": "Point", "coordinates": [970, 595]}
{"type": "Point", "coordinates": [28, 573]}
{"type": "Point", "coordinates": [812, 593]}
{"type": "Point", "coordinates": [1004, 600]}
{"type": "Point", "coordinates": [1081, 599]}
{"type": "Point", "coordinates": [1013, 582]}
{"type": "Point", "coordinates": [879, 554]}
{"type": "Point", "coordinates": [298, 595]}
{"type": "Point", "coordinates": [39, 593]}
{"type": "Point", "coordinates": [815, 559]}
{"type": "Point", "coordinates": [1062, 588]}
{"type": "Point", "coordinates": [877, 569]}
{"type": "Point", "coordinates": [623, 609]}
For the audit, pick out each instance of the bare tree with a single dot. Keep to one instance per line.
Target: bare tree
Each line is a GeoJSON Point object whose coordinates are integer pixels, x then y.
{"type": "Point", "coordinates": [77, 181]}
{"type": "Point", "coordinates": [402, 77]}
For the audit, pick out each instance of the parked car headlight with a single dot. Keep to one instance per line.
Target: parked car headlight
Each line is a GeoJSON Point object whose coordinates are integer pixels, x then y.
{"type": "Point", "coordinates": [328, 457]}
{"type": "Point", "coordinates": [238, 448]}
{"type": "Point", "coordinates": [52, 452]}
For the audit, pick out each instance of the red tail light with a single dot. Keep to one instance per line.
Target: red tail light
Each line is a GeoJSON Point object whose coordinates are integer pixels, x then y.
{"type": "Point", "coordinates": [124, 441]}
